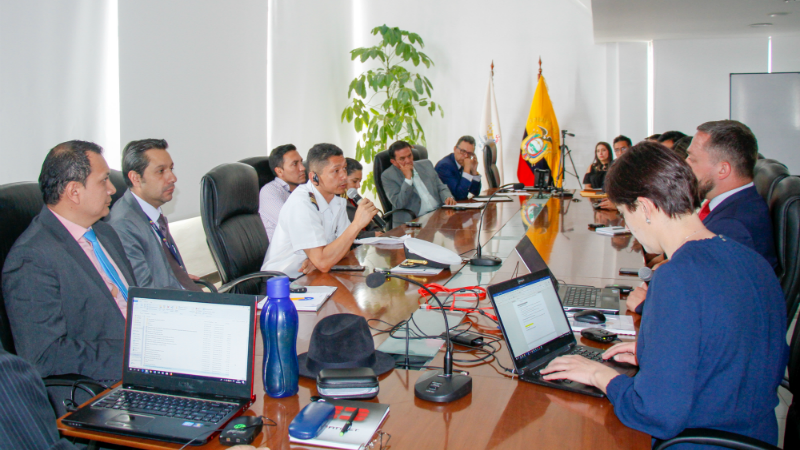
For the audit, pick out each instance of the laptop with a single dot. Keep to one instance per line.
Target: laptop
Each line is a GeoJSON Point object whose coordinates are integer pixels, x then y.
{"type": "Point", "coordinates": [187, 367]}
{"type": "Point", "coordinates": [536, 330]}
{"type": "Point", "coordinates": [574, 297]}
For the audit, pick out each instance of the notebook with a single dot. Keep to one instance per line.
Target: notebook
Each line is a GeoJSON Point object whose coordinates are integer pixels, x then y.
{"type": "Point", "coordinates": [536, 330]}
{"type": "Point", "coordinates": [574, 297]}
{"type": "Point", "coordinates": [187, 367]}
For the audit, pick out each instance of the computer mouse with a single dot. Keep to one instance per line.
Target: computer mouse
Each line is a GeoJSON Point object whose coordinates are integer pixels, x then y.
{"type": "Point", "coordinates": [590, 316]}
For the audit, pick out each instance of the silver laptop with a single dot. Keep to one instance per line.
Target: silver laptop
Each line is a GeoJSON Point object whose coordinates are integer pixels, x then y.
{"type": "Point", "coordinates": [188, 367]}
{"type": "Point", "coordinates": [574, 297]}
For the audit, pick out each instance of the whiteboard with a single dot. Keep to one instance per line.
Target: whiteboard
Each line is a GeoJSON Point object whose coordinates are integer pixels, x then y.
{"type": "Point", "coordinates": [769, 103]}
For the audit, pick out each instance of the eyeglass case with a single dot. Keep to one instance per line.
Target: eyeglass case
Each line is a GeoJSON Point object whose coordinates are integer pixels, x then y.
{"type": "Point", "coordinates": [356, 383]}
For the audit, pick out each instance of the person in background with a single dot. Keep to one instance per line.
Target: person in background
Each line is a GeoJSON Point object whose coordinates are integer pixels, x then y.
{"type": "Point", "coordinates": [669, 138]}
{"type": "Point", "coordinates": [459, 170]}
{"type": "Point", "coordinates": [723, 368]}
{"type": "Point", "coordinates": [681, 146]}
{"type": "Point", "coordinates": [653, 138]}
{"type": "Point", "coordinates": [596, 173]}
{"type": "Point", "coordinates": [287, 165]}
{"type": "Point", "coordinates": [355, 173]}
{"type": "Point", "coordinates": [621, 144]}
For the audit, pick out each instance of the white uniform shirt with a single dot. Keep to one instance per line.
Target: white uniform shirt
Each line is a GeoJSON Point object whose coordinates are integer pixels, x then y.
{"type": "Point", "coordinates": [303, 224]}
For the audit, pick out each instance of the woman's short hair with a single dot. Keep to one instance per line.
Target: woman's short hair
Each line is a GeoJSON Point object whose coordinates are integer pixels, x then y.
{"type": "Point", "coordinates": [650, 170]}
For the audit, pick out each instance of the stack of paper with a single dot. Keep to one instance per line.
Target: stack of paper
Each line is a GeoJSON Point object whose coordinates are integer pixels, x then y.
{"type": "Point", "coordinates": [496, 198]}
{"type": "Point", "coordinates": [476, 205]}
{"type": "Point", "coordinates": [612, 231]}
{"type": "Point", "coordinates": [614, 323]}
{"type": "Point", "coordinates": [311, 300]}
{"type": "Point", "coordinates": [383, 240]}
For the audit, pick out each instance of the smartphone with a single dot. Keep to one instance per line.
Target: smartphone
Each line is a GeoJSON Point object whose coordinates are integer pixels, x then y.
{"type": "Point", "coordinates": [349, 268]}
{"type": "Point", "coordinates": [596, 225]}
{"type": "Point", "coordinates": [629, 271]}
{"type": "Point", "coordinates": [413, 224]}
{"type": "Point", "coordinates": [298, 290]}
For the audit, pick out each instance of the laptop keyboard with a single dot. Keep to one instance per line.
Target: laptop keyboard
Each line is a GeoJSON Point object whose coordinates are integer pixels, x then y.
{"type": "Point", "coordinates": [166, 405]}
{"type": "Point", "coordinates": [578, 296]}
{"type": "Point", "coordinates": [586, 352]}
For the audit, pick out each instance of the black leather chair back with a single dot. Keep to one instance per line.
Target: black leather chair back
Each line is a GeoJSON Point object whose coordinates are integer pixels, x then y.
{"type": "Point", "coordinates": [19, 204]}
{"type": "Point", "coordinates": [421, 152]}
{"type": "Point", "coordinates": [118, 180]}
{"type": "Point", "coordinates": [234, 231]}
{"type": "Point", "coordinates": [784, 207]}
{"type": "Point", "coordinates": [766, 175]}
{"type": "Point", "coordinates": [490, 163]}
{"type": "Point", "coordinates": [264, 171]}
{"type": "Point", "coordinates": [381, 163]}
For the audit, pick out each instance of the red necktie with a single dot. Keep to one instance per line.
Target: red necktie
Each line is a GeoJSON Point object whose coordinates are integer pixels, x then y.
{"type": "Point", "coordinates": [704, 211]}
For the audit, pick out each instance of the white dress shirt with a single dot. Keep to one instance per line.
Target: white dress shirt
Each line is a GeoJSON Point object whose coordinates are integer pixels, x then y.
{"type": "Point", "coordinates": [304, 224]}
{"type": "Point", "coordinates": [426, 201]}
{"type": "Point", "coordinates": [151, 212]}
{"type": "Point", "coordinates": [468, 176]}
{"type": "Point", "coordinates": [714, 202]}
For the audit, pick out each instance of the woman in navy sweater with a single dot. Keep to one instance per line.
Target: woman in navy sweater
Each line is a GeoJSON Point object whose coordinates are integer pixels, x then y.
{"type": "Point", "coordinates": [712, 346]}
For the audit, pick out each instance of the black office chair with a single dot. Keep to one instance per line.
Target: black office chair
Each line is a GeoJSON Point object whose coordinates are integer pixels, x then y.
{"type": "Point", "coordinates": [784, 208]}
{"type": "Point", "coordinates": [19, 204]}
{"type": "Point", "coordinates": [381, 163]}
{"type": "Point", "coordinates": [490, 162]}
{"type": "Point", "coordinates": [118, 180]}
{"type": "Point", "coordinates": [264, 171]}
{"type": "Point", "coordinates": [766, 175]}
{"type": "Point", "coordinates": [420, 152]}
{"type": "Point", "coordinates": [234, 231]}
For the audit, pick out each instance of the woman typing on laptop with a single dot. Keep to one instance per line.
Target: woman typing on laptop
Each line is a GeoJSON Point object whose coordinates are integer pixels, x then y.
{"type": "Point", "coordinates": [712, 348]}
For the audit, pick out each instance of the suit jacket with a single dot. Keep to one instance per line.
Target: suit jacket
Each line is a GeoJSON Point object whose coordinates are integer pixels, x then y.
{"type": "Point", "coordinates": [744, 217]}
{"type": "Point", "coordinates": [62, 315]}
{"type": "Point", "coordinates": [143, 249]}
{"type": "Point", "coordinates": [403, 195]}
{"type": "Point", "coordinates": [27, 420]}
{"type": "Point", "coordinates": [452, 176]}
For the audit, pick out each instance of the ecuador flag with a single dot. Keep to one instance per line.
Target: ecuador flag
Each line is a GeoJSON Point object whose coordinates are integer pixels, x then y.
{"type": "Point", "coordinates": [540, 142]}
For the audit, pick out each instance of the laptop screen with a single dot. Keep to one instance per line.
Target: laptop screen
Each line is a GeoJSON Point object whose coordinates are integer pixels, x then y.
{"type": "Point", "coordinates": [531, 317]}
{"type": "Point", "coordinates": [528, 254]}
{"type": "Point", "coordinates": [190, 341]}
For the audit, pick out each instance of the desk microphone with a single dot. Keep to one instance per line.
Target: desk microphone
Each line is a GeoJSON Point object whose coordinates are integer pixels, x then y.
{"type": "Point", "coordinates": [646, 273]}
{"type": "Point", "coordinates": [352, 194]}
{"type": "Point", "coordinates": [440, 386]}
{"type": "Point", "coordinates": [490, 260]}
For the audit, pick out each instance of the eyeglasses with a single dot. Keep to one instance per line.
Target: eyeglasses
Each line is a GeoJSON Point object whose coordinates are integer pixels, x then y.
{"type": "Point", "coordinates": [465, 152]}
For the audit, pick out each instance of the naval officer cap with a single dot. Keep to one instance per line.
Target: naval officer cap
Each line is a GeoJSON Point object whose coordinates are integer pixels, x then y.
{"type": "Point", "coordinates": [435, 256]}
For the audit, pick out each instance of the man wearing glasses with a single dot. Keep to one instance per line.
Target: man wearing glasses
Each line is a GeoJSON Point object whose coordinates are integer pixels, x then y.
{"type": "Point", "coordinates": [459, 171]}
{"type": "Point", "coordinates": [621, 143]}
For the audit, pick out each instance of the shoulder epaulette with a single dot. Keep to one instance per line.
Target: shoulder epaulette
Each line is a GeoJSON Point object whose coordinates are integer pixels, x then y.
{"type": "Point", "coordinates": [313, 200]}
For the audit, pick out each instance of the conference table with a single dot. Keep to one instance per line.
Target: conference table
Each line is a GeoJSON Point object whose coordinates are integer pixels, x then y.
{"type": "Point", "coordinates": [501, 412]}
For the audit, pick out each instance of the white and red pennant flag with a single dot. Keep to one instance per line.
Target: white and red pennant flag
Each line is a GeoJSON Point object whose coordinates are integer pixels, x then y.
{"type": "Point", "coordinates": [490, 128]}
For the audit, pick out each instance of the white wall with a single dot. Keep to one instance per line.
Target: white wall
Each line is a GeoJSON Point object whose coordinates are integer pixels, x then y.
{"type": "Point", "coordinates": [194, 73]}
{"type": "Point", "coordinates": [58, 81]}
{"type": "Point", "coordinates": [785, 54]}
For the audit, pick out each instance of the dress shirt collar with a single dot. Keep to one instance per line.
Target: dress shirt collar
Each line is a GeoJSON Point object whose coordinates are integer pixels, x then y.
{"type": "Point", "coordinates": [714, 202]}
{"type": "Point", "coordinates": [283, 184]}
{"type": "Point", "coordinates": [148, 209]}
{"type": "Point", "coordinates": [75, 230]}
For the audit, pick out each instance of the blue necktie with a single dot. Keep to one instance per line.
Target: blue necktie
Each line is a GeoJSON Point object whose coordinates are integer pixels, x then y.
{"type": "Point", "coordinates": [105, 263]}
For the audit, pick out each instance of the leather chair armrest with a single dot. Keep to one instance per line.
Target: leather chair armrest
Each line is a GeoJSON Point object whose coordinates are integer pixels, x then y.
{"type": "Point", "coordinates": [268, 274]}
{"type": "Point", "coordinates": [207, 285]}
{"type": "Point", "coordinates": [705, 436]}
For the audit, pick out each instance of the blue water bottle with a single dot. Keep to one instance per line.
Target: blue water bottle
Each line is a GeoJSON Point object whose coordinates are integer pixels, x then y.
{"type": "Point", "coordinates": [279, 330]}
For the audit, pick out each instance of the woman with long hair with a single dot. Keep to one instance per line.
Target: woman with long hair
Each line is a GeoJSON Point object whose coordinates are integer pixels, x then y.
{"type": "Point", "coordinates": [596, 173]}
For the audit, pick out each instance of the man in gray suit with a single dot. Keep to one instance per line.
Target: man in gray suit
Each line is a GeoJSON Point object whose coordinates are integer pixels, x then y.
{"type": "Point", "coordinates": [66, 278]}
{"type": "Point", "coordinates": [413, 185]}
{"type": "Point", "coordinates": [137, 217]}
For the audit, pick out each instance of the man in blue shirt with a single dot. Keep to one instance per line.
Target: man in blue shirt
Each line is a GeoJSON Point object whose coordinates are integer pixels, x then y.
{"type": "Point", "coordinates": [459, 170]}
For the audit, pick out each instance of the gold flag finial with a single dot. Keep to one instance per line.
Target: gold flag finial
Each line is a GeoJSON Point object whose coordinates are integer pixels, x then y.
{"type": "Point", "coordinates": [540, 68]}
{"type": "Point", "coordinates": [492, 68]}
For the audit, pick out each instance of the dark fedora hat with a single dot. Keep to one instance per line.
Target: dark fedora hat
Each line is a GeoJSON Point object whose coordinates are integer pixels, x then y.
{"type": "Point", "coordinates": [342, 341]}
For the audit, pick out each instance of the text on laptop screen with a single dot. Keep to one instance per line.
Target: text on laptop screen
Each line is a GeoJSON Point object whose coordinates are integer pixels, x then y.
{"type": "Point", "coordinates": [531, 315]}
{"type": "Point", "coordinates": [190, 339]}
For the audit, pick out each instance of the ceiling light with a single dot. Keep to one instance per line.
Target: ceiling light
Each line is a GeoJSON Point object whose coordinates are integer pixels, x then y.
{"type": "Point", "coordinates": [778, 14]}
{"type": "Point", "coordinates": [760, 25]}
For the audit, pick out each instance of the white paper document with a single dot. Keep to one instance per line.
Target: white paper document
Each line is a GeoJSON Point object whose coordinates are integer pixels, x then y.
{"type": "Point", "coordinates": [620, 324]}
{"type": "Point", "coordinates": [311, 300]}
{"type": "Point", "coordinates": [421, 270]}
{"type": "Point", "coordinates": [496, 198]}
{"type": "Point", "coordinates": [383, 240]}
{"type": "Point", "coordinates": [476, 205]}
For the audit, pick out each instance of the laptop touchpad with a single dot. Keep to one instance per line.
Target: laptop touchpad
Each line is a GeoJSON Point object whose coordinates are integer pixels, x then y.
{"type": "Point", "coordinates": [129, 421]}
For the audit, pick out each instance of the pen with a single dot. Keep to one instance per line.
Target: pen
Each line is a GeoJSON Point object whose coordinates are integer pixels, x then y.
{"type": "Point", "coordinates": [349, 422]}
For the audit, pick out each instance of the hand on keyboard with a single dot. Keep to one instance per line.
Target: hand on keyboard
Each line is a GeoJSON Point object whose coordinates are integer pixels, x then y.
{"type": "Point", "coordinates": [580, 369]}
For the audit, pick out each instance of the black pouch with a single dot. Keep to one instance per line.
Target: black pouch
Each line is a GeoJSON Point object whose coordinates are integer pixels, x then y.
{"type": "Point", "coordinates": [358, 383]}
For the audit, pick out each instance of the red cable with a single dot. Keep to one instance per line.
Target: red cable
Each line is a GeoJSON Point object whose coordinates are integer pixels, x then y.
{"type": "Point", "coordinates": [468, 292]}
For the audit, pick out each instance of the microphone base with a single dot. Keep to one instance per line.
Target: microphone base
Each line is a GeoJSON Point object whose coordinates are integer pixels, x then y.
{"type": "Point", "coordinates": [486, 261]}
{"type": "Point", "coordinates": [433, 386]}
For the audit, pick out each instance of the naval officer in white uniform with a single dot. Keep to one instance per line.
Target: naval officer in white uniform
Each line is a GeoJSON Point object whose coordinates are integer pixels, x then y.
{"type": "Point", "coordinates": [313, 229]}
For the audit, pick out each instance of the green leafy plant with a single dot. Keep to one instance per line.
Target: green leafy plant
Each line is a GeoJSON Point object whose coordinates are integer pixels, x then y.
{"type": "Point", "coordinates": [384, 101]}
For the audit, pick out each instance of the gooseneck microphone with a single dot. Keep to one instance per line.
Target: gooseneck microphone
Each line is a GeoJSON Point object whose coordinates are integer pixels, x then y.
{"type": "Point", "coordinates": [646, 273]}
{"type": "Point", "coordinates": [352, 194]}
{"type": "Point", "coordinates": [490, 260]}
{"type": "Point", "coordinates": [440, 386]}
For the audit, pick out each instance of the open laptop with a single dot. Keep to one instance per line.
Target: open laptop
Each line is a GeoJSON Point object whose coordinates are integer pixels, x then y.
{"type": "Point", "coordinates": [536, 330]}
{"type": "Point", "coordinates": [574, 297]}
{"type": "Point", "coordinates": [187, 370]}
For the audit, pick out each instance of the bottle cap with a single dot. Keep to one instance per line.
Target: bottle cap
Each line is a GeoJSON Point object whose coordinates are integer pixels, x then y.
{"type": "Point", "coordinates": [278, 287]}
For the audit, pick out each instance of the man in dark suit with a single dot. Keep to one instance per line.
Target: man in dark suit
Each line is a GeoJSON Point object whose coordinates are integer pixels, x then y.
{"type": "Point", "coordinates": [412, 185]}
{"type": "Point", "coordinates": [137, 217]}
{"type": "Point", "coordinates": [65, 280]}
{"type": "Point", "coordinates": [459, 170]}
{"type": "Point", "coordinates": [723, 155]}
{"type": "Point", "coordinates": [27, 420]}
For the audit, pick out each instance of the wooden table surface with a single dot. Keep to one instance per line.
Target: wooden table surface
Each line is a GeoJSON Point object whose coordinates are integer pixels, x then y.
{"type": "Point", "coordinates": [501, 412]}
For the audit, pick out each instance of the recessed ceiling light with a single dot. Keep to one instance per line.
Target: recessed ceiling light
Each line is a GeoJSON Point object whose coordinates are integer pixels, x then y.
{"type": "Point", "coordinates": [760, 25]}
{"type": "Point", "coordinates": [778, 14]}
